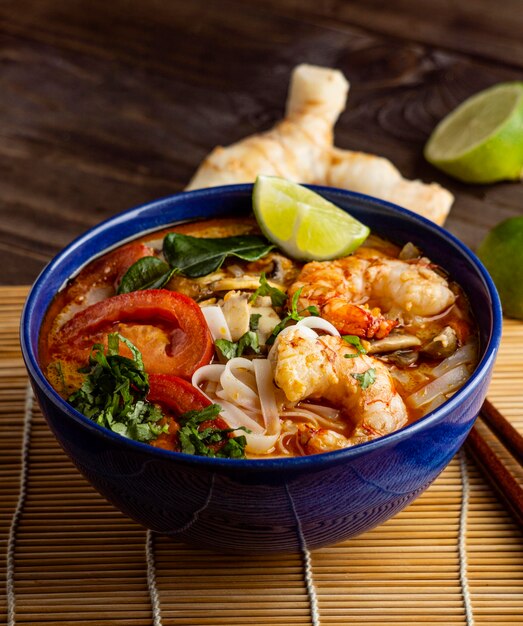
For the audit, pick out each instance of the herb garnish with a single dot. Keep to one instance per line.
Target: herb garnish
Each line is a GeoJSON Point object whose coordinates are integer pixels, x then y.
{"type": "Point", "coordinates": [278, 297]}
{"type": "Point", "coordinates": [294, 315]}
{"type": "Point", "coordinates": [150, 272]}
{"type": "Point", "coordinates": [192, 257]}
{"type": "Point", "coordinates": [210, 440]}
{"type": "Point", "coordinates": [366, 379]}
{"type": "Point", "coordinates": [114, 390]}
{"type": "Point", "coordinates": [355, 341]}
{"type": "Point", "coordinates": [230, 349]}
{"type": "Point", "coordinates": [197, 256]}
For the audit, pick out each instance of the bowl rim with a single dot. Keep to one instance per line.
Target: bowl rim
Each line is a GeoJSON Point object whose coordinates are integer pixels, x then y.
{"type": "Point", "coordinates": [316, 461]}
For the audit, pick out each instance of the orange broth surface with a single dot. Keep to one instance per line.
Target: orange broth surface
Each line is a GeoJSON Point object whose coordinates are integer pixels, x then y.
{"type": "Point", "coordinates": [99, 279]}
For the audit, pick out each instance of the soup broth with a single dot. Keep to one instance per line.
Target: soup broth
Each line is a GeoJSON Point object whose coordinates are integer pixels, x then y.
{"type": "Point", "coordinates": [194, 348]}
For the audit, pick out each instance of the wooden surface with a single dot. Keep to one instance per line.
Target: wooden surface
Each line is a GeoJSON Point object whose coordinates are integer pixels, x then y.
{"type": "Point", "coordinates": [78, 561]}
{"type": "Point", "coordinates": [105, 105]}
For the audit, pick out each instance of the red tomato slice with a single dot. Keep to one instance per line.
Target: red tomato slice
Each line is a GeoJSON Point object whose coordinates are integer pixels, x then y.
{"type": "Point", "coordinates": [96, 282]}
{"type": "Point", "coordinates": [107, 271]}
{"type": "Point", "coordinates": [176, 396]}
{"type": "Point", "coordinates": [167, 327]}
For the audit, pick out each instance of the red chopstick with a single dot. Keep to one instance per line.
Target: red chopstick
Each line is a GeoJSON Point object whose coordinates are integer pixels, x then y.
{"type": "Point", "coordinates": [506, 486]}
{"type": "Point", "coordinates": [506, 433]}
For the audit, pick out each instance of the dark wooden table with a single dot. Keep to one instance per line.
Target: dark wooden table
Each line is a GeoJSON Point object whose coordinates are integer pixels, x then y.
{"type": "Point", "coordinates": [108, 104]}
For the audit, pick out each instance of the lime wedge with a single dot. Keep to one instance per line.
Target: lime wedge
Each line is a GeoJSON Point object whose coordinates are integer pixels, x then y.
{"type": "Point", "coordinates": [502, 254]}
{"type": "Point", "coordinates": [302, 223]}
{"type": "Point", "coordinates": [482, 140]}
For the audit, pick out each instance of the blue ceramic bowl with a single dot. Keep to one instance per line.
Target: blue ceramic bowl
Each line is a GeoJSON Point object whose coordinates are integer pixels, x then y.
{"type": "Point", "coordinates": [277, 504]}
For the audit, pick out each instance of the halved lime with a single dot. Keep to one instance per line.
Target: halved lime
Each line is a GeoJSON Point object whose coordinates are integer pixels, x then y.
{"type": "Point", "coordinates": [302, 223]}
{"type": "Point", "coordinates": [502, 253]}
{"type": "Point", "coordinates": [482, 140]}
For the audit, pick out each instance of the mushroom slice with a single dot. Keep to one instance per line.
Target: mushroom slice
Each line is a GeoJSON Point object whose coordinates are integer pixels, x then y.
{"type": "Point", "coordinates": [409, 252]}
{"type": "Point", "coordinates": [443, 344]}
{"type": "Point", "coordinates": [246, 282]}
{"type": "Point", "coordinates": [392, 343]}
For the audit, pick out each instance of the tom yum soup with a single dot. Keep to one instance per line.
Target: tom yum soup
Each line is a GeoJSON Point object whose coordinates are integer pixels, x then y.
{"type": "Point", "coordinates": [207, 339]}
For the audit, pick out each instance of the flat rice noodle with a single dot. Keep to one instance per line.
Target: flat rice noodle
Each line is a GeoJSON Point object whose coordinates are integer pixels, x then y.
{"type": "Point", "coordinates": [269, 408]}
{"type": "Point", "coordinates": [207, 372]}
{"type": "Point", "coordinates": [235, 418]}
{"type": "Point", "coordinates": [443, 385]}
{"type": "Point", "coordinates": [465, 354]}
{"type": "Point", "coordinates": [257, 441]}
{"type": "Point", "coordinates": [235, 390]}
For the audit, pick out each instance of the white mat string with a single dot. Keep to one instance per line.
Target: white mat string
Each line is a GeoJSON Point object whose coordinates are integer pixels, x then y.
{"type": "Point", "coordinates": [462, 538]}
{"type": "Point", "coordinates": [307, 565]}
{"type": "Point", "coordinates": [22, 492]}
{"type": "Point", "coordinates": [151, 578]}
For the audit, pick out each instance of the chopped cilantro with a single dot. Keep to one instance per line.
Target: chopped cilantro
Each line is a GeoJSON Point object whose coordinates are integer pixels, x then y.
{"type": "Point", "coordinates": [230, 349]}
{"type": "Point", "coordinates": [278, 297]}
{"type": "Point", "coordinates": [355, 341]}
{"type": "Point", "coordinates": [366, 379]}
{"type": "Point", "coordinates": [211, 440]}
{"type": "Point", "coordinates": [113, 392]}
{"type": "Point", "coordinates": [294, 315]}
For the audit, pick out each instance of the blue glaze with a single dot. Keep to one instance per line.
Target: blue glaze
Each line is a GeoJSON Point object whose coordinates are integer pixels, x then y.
{"type": "Point", "coordinates": [275, 504]}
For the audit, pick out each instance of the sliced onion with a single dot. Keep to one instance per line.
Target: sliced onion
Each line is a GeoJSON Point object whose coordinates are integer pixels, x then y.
{"type": "Point", "coordinates": [443, 385]}
{"type": "Point", "coordinates": [318, 323]}
{"type": "Point", "coordinates": [265, 384]}
{"type": "Point", "coordinates": [304, 331]}
{"type": "Point", "coordinates": [465, 354]}
{"type": "Point", "coordinates": [216, 322]}
{"type": "Point", "coordinates": [432, 406]}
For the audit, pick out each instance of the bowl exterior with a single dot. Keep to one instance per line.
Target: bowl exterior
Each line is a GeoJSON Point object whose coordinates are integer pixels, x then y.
{"type": "Point", "coordinates": [266, 506]}
{"type": "Point", "coordinates": [255, 511]}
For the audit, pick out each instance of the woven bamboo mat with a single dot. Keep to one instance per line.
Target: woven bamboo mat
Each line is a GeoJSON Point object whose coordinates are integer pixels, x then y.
{"type": "Point", "coordinates": [452, 557]}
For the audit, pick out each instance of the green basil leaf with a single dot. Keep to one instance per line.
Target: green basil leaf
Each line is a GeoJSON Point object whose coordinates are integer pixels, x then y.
{"type": "Point", "coordinates": [198, 256]}
{"type": "Point", "coordinates": [229, 349]}
{"type": "Point", "coordinates": [150, 272]}
{"type": "Point", "coordinates": [278, 297]}
{"type": "Point", "coordinates": [248, 340]}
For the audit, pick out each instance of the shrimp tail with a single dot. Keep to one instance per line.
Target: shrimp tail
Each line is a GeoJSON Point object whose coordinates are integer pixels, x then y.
{"type": "Point", "coordinates": [355, 319]}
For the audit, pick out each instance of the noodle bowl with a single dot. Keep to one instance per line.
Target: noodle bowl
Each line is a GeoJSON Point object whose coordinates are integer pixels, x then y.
{"type": "Point", "coordinates": [398, 313]}
{"type": "Point", "coordinates": [278, 503]}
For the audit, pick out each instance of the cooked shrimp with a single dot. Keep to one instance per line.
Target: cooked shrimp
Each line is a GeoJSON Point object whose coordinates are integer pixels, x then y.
{"type": "Point", "coordinates": [329, 368]}
{"type": "Point", "coordinates": [316, 440]}
{"type": "Point", "coordinates": [352, 292]}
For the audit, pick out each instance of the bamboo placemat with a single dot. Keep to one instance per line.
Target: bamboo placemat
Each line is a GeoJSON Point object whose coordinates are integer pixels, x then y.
{"type": "Point", "coordinates": [453, 557]}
